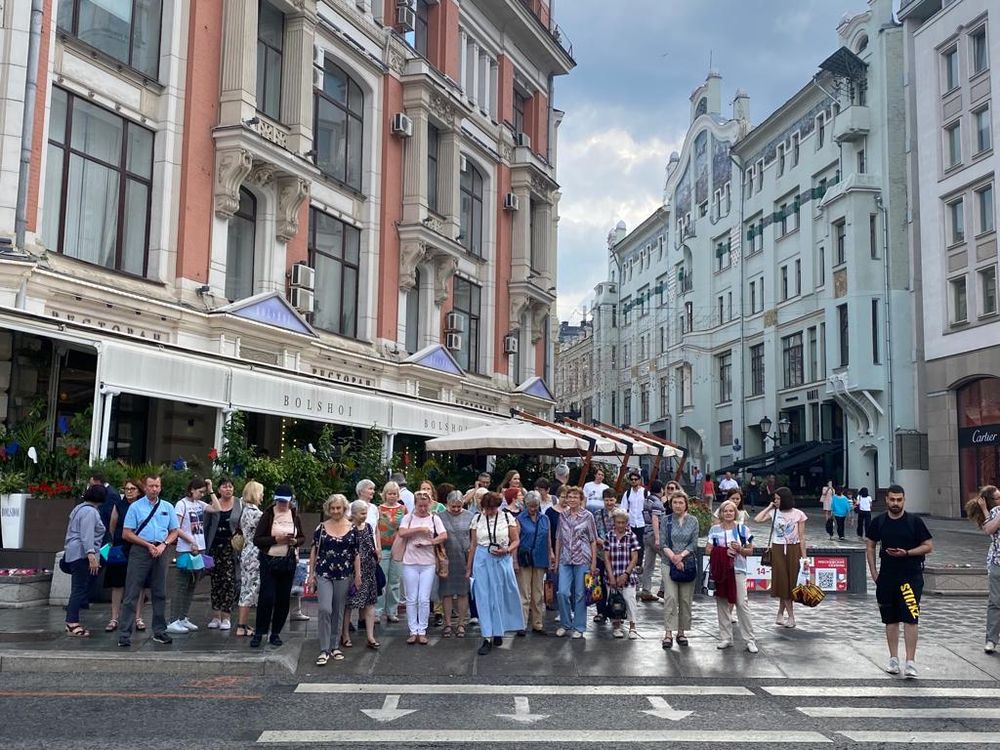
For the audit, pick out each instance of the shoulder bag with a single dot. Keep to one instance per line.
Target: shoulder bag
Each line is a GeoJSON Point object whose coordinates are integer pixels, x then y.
{"type": "Point", "coordinates": [399, 545]}
{"type": "Point", "coordinates": [440, 553]}
{"type": "Point", "coordinates": [765, 558]}
{"type": "Point", "coordinates": [690, 570]}
{"type": "Point", "coordinates": [127, 546]}
{"type": "Point", "coordinates": [526, 555]}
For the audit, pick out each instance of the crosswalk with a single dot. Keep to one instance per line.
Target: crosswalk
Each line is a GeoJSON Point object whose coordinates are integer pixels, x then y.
{"type": "Point", "coordinates": [811, 715]}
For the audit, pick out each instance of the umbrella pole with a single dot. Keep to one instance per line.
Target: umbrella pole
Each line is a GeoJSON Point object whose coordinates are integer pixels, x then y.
{"type": "Point", "coordinates": [621, 472]}
{"type": "Point", "coordinates": [585, 469]}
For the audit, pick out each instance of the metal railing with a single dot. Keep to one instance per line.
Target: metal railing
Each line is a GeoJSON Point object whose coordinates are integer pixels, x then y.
{"type": "Point", "coordinates": [552, 28]}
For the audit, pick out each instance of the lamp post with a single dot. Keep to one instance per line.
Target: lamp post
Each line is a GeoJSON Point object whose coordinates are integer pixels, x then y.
{"type": "Point", "coordinates": [778, 438]}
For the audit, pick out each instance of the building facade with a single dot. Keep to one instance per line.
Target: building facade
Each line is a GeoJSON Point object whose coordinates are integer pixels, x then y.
{"type": "Point", "coordinates": [950, 49]}
{"type": "Point", "coordinates": [333, 211]}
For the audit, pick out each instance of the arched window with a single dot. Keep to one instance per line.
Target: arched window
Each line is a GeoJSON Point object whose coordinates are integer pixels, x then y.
{"type": "Point", "coordinates": [339, 130]}
{"type": "Point", "coordinates": [240, 248]}
{"type": "Point", "coordinates": [472, 210]}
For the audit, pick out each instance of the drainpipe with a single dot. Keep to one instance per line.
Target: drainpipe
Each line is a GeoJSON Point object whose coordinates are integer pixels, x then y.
{"type": "Point", "coordinates": [743, 375]}
{"type": "Point", "coordinates": [890, 385]}
{"type": "Point", "coordinates": [840, 146]}
{"type": "Point", "coordinates": [28, 123]}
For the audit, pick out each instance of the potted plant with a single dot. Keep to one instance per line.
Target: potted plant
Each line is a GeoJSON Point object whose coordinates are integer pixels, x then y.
{"type": "Point", "coordinates": [13, 499]}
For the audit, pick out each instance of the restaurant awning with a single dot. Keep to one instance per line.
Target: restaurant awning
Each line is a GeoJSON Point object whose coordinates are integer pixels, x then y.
{"type": "Point", "coordinates": [517, 436]}
{"type": "Point", "coordinates": [786, 455]}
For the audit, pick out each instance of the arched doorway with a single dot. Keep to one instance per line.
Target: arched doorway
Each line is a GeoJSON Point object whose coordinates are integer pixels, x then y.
{"type": "Point", "coordinates": [978, 435]}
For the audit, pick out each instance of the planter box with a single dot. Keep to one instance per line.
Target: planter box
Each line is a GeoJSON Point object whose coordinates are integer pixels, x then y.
{"type": "Point", "coordinates": [13, 509]}
{"type": "Point", "coordinates": [956, 581]}
{"type": "Point", "coordinates": [17, 592]}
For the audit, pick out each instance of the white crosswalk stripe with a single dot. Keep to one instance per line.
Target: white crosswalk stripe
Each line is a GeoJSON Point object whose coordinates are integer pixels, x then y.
{"type": "Point", "coordinates": [550, 690]}
{"type": "Point", "coordinates": [540, 736]}
{"type": "Point", "coordinates": [878, 691]}
{"type": "Point", "coordinates": [883, 739]}
{"type": "Point", "coordinates": [898, 712]}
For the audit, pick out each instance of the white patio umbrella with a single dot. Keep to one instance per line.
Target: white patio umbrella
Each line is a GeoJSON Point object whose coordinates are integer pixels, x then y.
{"type": "Point", "coordinates": [516, 436]}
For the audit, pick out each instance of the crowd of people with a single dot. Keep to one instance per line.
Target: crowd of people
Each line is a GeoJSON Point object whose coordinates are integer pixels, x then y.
{"type": "Point", "coordinates": [497, 558]}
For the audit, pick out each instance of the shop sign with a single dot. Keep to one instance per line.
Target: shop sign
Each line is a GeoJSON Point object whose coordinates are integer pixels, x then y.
{"type": "Point", "coordinates": [125, 329]}
{"type": "Point", "coordinates": [828, 573]}
{"type": "Point", "coordinates": [983, 435]}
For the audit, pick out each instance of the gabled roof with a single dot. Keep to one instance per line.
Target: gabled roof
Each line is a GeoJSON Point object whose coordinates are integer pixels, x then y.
{"type": "Point", "coordinates": [535, 387]}
{"type": "Point", "coordinates": [435, 357]}
{"type": "Point", "coordinates": [270, 308]}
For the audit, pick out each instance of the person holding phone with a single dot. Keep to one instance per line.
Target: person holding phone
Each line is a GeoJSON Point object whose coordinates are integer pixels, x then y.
{"type": "Point", "coordinates": [278, 536]}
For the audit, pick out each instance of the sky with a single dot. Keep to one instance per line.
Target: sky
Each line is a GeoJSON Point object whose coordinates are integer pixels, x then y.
{"type": "Point", "coordinates": [627, 105]}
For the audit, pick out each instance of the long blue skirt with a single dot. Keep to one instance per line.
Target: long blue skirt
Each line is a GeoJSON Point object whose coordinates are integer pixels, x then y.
{"type": "Point", "coordinates": [497, 596]}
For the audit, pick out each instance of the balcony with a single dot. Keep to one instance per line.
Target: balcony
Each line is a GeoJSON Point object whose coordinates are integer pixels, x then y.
{"type": "Point", "coordinates": [530, 24]}
{"type": "Point", "coordinates": [852, 124]}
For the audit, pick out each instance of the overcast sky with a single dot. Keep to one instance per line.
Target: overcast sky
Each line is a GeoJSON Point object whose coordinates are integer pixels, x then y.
{"type": "Point", "coordinates": [627, 104]}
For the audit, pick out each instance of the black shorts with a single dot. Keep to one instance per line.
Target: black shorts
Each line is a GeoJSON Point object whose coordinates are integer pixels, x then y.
{"type": "Point", "coordinates": [899, 598]}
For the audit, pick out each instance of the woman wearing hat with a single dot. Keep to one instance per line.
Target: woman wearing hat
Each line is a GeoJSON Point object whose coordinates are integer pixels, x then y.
{"type": "Point", "coordinates": [278, 536]}
{"type": "Point", "coordinates": [788, 548]}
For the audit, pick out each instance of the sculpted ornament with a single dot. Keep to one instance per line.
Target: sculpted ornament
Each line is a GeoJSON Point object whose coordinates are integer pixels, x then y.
{"type": "Point", "coordinates": [261, 174]}
{"type": "Point", "coordinates": [538, 315]}
{"type": "Point", "coordinates": [231, 167]}
{"type": "Point", "coordinates": [444, 269]}
{"type": "Point", "coordinates": [443, 107]}
{"type": "Point", "coordinates": [291, 192]}
{"type": "Point", "coordinates": [410, 256]}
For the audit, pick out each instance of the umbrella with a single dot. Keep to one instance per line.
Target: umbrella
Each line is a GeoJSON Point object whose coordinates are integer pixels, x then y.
{"type": "Point", "coordinates": [516, 436]}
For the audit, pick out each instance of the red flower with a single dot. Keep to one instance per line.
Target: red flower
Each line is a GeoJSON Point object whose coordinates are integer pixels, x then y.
{"type": "Point", "coordinates": [72, 451]}
{"type": "Point", "coordinates": [213, 455]}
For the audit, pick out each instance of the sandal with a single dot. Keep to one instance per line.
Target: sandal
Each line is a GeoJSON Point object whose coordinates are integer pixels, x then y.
{"type": "Point", "coordinates": [667, 643]}
{"type": "Point", "coordinates": [139, 624]}
{"type": "Point", "coordinates": [346, 643]}
{"type": "Point", "coordinates": [338, 655]}
{"type": "Point", "coordinates": [374, 645]}
{"type": "Point", "coordinates": [460, 631]}
{"type": "Point", "coordinates": [422, 640]}
{"type": "Point", "coordinates": [446, 633]}
{"type": "Point", "coordinates": [112, 626]}
{"type": "Point", "coordinates": [243, 630]}
{"type": "Point", "coordinates": [682, 640]}
{"type": "Point", "coordinates": [599, 618]}
{"type": "Point", "coordinates": [411, 640]}
{"type": "Point", "coordinates": [77, 630]}
{"type": "Point", "coordinates": [322, 659]}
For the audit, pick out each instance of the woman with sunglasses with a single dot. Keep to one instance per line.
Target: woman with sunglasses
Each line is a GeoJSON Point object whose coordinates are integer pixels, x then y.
{"type": "Point", "coordinates": [114, 575]}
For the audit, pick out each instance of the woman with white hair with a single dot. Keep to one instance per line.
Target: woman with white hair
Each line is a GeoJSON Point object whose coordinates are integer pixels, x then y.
{"type": "Point", "coordinates": [366, 594]}
{"type": "Point", "coordinates": [454, 589]}
{"type": "Point", "coordinates": [333, 563]}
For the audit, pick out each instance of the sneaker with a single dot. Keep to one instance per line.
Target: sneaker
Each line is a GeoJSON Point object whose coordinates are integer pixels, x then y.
{"type": "Point", "coordinates": [723, 644]}
{"type": "Point", "coordinates": [125, 643]}
{"type": "Point", "coordinates": [189, 625]}
{"type": "Point", "coordinates": [734, 619]}
{"type": "Point", "coordinates": [577, 635]}
{"type": "Point", "coordinates": [472, 620]}
{"type": "Point", "coordinates": [177, 628]}
{"type": "Point", "coordinates": [214, 623]}
{"type": "Point", "coordinates": [225, 625]}
{"type": "Point", "coordinates": [275, 641]}
{"type": "Point", "coordinates": [752, 647]}
{"type": "Point", "coordinates": [497, 640]}
{"type": "Point", "coordinates": [633, 635]}
{"type": "Point", "coordinates": [485, 648]}
{"type": "Point", "coordinates": [560, 632]}
{"type": "Point", "coordinates": [618, 633]}
{"type": "Point", "coordinates": [300, 616]}
{"type": "Point", "coordinates": [893, 666]}
{"type": "Point", "coordinates": [990, 647]}
{"type": "Point", "coordinates": [911, 670]}
{"type": "Point", "coordinates": [162, 638]}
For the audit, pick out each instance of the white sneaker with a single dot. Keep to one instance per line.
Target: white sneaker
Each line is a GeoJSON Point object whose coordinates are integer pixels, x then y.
{"type": "Point", "coordinates": [299, 616]}
{"type": "Point", "coordinates": [893, 666]}
{"type": "Point", "coordinates": [751, 647]}
{"type": "Point", "coordinates": [577, 634]}
{"type": "Point", "coordinates": [633, 635]}
{"type": "Point", "coordinates": [990, 647]}
{"type": "Point", "coordinates": [911, 670]}
{"type": "Point", "coordinates": [177, 628]}
{"type": "Point", "coordinates": [618, 633]}
{"type": "Point", "coordinates": [224, 625]}
{"type": "Point", "coordinates": [723, 644]}
{"type": "Point", "coordinates": [189, 625]}
{"type": "Point", "coordinates": [214, 623]}
{"type": "Point", "coordinates": [560, 632]}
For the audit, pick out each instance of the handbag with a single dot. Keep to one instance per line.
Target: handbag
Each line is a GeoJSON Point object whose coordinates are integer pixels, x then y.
{"type": "Point", "coordinates": [549, 589]}
{"type": "Point", "coordinates": [808, 594]}
{"type": "Point", "coordinates": [208, 562]}
{"type": "Point", "coordinates": [127, 546]}
{"type": "Point", "coordinates": [765, 558]}
{"type": "Point", "coordinates": [113, 554]}
{"type": "Point", "coordinates": [399, 545]}
{"type": "Point", "coordinates": [526, 555]}
{"type": "Point", "coordinates": [593, 590]}
{"type": "Point", "coordinates": [616, 608]}
{"type": "Point", "coordinates": [440, 555]}
{"type": "Point", "coordinates": [238, 542]}
{"type": "Point", "coordinates": [380, 580]}
{"type": "Point", "coordinates": [690, 570]}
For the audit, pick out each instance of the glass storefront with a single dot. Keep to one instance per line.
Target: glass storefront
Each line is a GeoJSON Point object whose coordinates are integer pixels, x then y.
{"type": "Point", "coordinates": [978, 436]}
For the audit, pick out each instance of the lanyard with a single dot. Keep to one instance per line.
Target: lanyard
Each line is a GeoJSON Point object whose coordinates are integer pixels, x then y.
{"type": "Point", "coordinates": [493, 534]}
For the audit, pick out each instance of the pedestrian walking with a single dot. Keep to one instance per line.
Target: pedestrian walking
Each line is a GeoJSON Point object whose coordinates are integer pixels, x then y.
{"type": "Point", "coordinates": [729, 543]}
{"type": "Point", "coordinates": [365, 593]}
{"type": "Point", "coordinates": [220, 528]}
{"type": "Point", "coordinates": [454, 588]}
{"type": "Point", "coordinates": [633, 502]}
{"type": "Point", "coordinates": [652, 516]}
{"type": "Point", "coordinates": [621, 556]}
{"type": "Point", "coordinates": [788, 550]}
{"type": "Point", "coordinates": [679, 569]}
{"type": "Point", "coordinates": [390, 515]}
{"type": "Point", "coordinates": [405, 496]}
{"type": "Point", "coordinates": [150, 527]}
{"type": "Point", "coordinates": [420, 531]}
{"type": "Point", "coordinates": [253, 494]}
{"type": "Point", "coordinates": [494, 541]}
{"type": "Point", "coordinates": [593, 491]}
{"type": "Point", "coordinates": [728, 483]}
{"type": "Point", "coordinates": [753, 493]}
{"type": "Point", "coordinates": [825, 500]}
{"type": "Point", "coordinates": [863, 507]}
{"type": "Point", "coordinates": [604, 522]}
{"type": "Point", "coordinates": [278, 538]}
{"type": "Point", "coordinates": [840, 507]}
{"type": "Point", "coordinates": [576, 554]}
{"type": "Point", "coordinates": [113, 516]}
{"type": "Point", "coordinates": [188, 568]}
{"type": "Point", "coordinates": [984, 510]}
{"type": "Point", "coordinates": [534, 558]}
{"type": "Point", "coordinates": [81, 554]}
{"type": "Point", "coordinates": [903, 542]}
{"type": "Point", "coordinates": [334, 564]}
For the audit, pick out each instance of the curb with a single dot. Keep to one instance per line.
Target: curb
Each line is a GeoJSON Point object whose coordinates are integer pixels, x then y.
{"type": "Point", "coordinates": [268, 664]}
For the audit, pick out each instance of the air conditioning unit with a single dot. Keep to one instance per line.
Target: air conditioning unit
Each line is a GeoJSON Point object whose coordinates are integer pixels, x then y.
{"type": "Point", "coordinates": [402, 125]}
{"type": "Point", "coordinates": [454, 323]}
{"type": "Point", "coordinates": [510, 202]}
{"type": "Point", "coordinates": [523, 139]}
{"type": "Point", "coordinates": [510, 344]}
{"type": "Point", "coordinates": [302, 300]}
{"type": "Point", "coordinates": [303, 277]}
{"type": "Point", "coordinates": [453, 342]}
{"type": "Point", "coordinates": [406, 19]}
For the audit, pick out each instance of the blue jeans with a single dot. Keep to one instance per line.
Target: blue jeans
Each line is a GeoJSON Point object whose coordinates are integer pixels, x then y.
{"type": "Point", "coordinates": [79, 596]}
{"type": "Point", "coordinates": [572, 601]}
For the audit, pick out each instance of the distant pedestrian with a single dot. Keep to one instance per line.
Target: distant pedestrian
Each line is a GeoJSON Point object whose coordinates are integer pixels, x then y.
{"type": "Point", "coordinates": [604, 522]}
{"type": "Point", "coordinates": [593, 491]}
{"type": "Point", "coordinates": [753, 493]}
{"type": "Point", "coordinates": [576, 554]}
{"type": "Point", "coordinates": [825, 500]}
{"type": "Point", "coordinates": [708, 491]}
{"type": "Point", "coordinates": [621, 556]}
{"type": "Point", "coordinates": [490, 565]}
{"type": "Point", "coordinates": [560, 478]}
{"type": "Point", "coordinates": [454, 588]}
{"type": "Point", "coordinates": [405, 496]}
{"type": "Point", "coordinates": [863, 507]}
{"type": "Point", "coordinates": [190, 565]}
{"type": "Point", "coordinates": [253, 494]}
{"type": "Point", "coordinates": [219, 531]}
{"type": "Point", "coordinates": [840, 507]}
{"type": "Point", "coordinates": [729, 543]}
{"type": "Point", "coordinates": [84, 534]}
{"type": "Point", "coordinates": [633, 502]}
{"type": "Point", "coordinates": [278, 537]}
{"type": "Point", "coordinates": [679, 544]}
{"type": "Point", "coordinates": [113, 516]}
{"type": "Point", "coordinates": [788, 550]}
{"type": "Point", "coordinates": [727, 484]}
{"type": "Point", "coordinates": [334, 564]}
{"type": "Point", "coordinates": [903, 541]}
{"type": "Point", "coordinates": [984, 509]}
{"type": "Point", "coordinates": [512, 479]}
{"type": "Point", "coordinates": [390, 515]}
{"type": "Point", "coordinates": [652, 516]}
{"type": "Point", "coordinates": [365, 594]}
{"type": "Point", "coordinates": [534, 557]}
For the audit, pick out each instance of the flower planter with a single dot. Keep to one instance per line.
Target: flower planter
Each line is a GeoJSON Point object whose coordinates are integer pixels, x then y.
{"type": "Point", "coordinates": [12, 515]}
{"type": "Point", "coordinates": [19, 591]}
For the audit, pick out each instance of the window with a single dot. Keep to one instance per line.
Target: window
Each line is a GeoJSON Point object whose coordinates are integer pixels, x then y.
{"type": "Point", "coordinates": [98, 182]}
{"type": "Point", "coordinates": [626, 310]}
{"type": "Point", "coordinates": [413, 321]}
{"type": "Point", "coordinates": [984, 199]}
{"type": "Point", "coordinates": [627, 406]}
{"type": "Point", "coordinates": [127, 30]}
{"type": "Point", "coordinates": [626, 362]}
{"type": "Point", "coordinates": [753, 297]}
{"type": "Point", "coordinates": [614, 355]}
{"type": "Point", "coordinates": [873, 235]}
{"type": "Point", "coordinates": [725, 367]}
{"type": "Point", "coordinates": [781, 160]}
{"type": "Point", "coordinates": [757, 369]}
{"type": "Point", "coordinates": [862, 164]}
{"type": "Point", "coordinates": [663, 339]}
{"type": "Point", "coordinates": [959, 301]}
{"type": "Point", "coordinates": [988, 291]}
{"type": "Point", "coordinates": [875, 335]}
{"type": "Point", "coordinates": [950, 69]}
{"type": "Point", "coordinates": [782, 216]}
{"type": "Point", "coordinates": [729, 305]}
{"type": "Point", "coordinates": [642, 297]}
{"type": "Point", "coordinates": [335, 253]}
{"type": "Point", "coordinates": [813, 353]}
{"type": "Point", "coordinates": [433, 148]}
{"type": "Point", "coordinates": [722, 255]}
{"type": "Point", "coordinates": [820, 131]}
{"type": "Point", "coordinates": [420, 27]}
{"type": "Point", "coordinates": [614, 407]}
{"type": "Point", "coordinates": [720, 301]}
{"type": "Point", "coordinates": [784, 283]}
{"type": "Point", "coordinates": [726, 432]}
{"type": "Point", "coordinates": [520, 104]}
{"type": "Point", "coordinates": [467, 304]}
{"type": "Point", "coordinates": [953, 140]}
{"type": "Point", "coordinates": [644, 402]}
{"type": "Point", "coordinates": [845, 351]}
{"type": "Point", "coordinates": [798, 277]}
{"type": "Point", "coordinates": [956, 221]}
{"type": "Point", "coordinates": [664, 396]}
{"type": "Point", "coordinates": [471, 194]}
{"type": "Point", "coordinates": [795, 149]}
{"type": "Point", "coordinates": [339, 126]}
{"type": "Point", "coordinates": [240, 247]}
{"type": "Point", "coordinates": [270, 50]}
{"type": "Point", "coordinates": [840, 240]}
{"type": "Point", "coordinates": [689, 316]}
{"type": "Point", "coordinates": [821, 267]}
{"type": "Point", "coordinates": [791, 357]}
{"type": "Point", "coordinates": [984, 133]}
{"type": "Point", "coordinates": [980, 51]}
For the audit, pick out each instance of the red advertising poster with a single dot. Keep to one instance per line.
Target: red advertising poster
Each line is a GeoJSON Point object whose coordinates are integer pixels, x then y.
{"type": "Point", "coordinates": [828, 573]}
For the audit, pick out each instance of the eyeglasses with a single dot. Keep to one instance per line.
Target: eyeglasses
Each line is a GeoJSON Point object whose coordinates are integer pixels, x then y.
{"type": "Point", "coordinates": [131, 489]}
{"type": "Point", "coordinates": [635, 479]}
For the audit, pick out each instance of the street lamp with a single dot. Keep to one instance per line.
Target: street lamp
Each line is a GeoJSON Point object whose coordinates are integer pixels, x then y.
{"type": "Point", "coordinates": [784, 425]}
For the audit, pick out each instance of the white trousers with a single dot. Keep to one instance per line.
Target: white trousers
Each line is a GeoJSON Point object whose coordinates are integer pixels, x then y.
{"type": "Point", "coordinates": [418, 580]}
{"type": "Point", "coordinates": [742, 612]}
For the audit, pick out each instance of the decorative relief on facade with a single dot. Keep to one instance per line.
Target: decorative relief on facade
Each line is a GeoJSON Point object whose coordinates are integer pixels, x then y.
{"type": "Point", "coordinates": [539, 314]}
{"type": "Point", "coordinates": [507, 152]}
{"type": "Point", "coordinates": [270, 132]}
{"type": "Point", "coordinates": [410, 256]}
{"type": "Point", "coordinates": [701, 167]}
{"type": "Point", "coordinates": [840, 283]}
{"type": "Point", "coordinates": [770, 318]}
{"type": "Point", "coordinates": [261, 174]}
{"type": "Point", "coordinates": [444, 268]}
{"type": "Point", "coordinates": [396, 60]}
{"type": "Point", "coordinates": [443, 107]}
{"type": "Point", "coordinates": [721, 165]}
{"type": "Point", "coordinates": [804, 126]}
{"type": "Point", "coordinates": [291, 192]}
{"type": "Point", "coordinates": [231, 167]}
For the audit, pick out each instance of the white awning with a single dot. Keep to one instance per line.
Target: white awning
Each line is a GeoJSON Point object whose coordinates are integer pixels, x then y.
{"type": "Point", "coordinates": [515, 436]}
{"type": "Point", "coordinates": [161, 373]}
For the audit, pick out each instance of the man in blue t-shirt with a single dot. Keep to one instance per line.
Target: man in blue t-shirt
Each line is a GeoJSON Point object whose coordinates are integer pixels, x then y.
{"type": "Point", "coordinates": [150, 526]}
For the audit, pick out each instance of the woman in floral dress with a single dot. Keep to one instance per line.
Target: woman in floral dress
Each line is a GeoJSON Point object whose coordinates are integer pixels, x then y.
{"type": "Point", "coordinates": [253, 493]}
{"type": "Point", "coordinates": [365, 598]}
